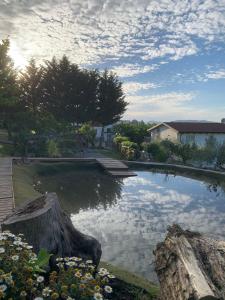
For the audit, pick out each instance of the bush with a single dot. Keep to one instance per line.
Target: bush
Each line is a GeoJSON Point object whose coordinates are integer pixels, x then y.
{"type": "Point", "coordinates": [52, 148]}
{"type": "Point", "coordinates": [221, 155]}
{"type": "Point", "coordinates": [22, 276]}
{"type": "Point", "coordinates": [158, 152]}
{"type": "Point", "coordinates": [120, 139]}
{"type": "Point", "coordinates": [7, 150]}
{"type": "Point", "coordinates": [186, 151]}
{"type": "Point", "coordinates": [130, 145]}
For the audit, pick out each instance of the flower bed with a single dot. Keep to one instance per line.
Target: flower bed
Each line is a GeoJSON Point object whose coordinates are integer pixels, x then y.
{"type": "Point", "coordinates": [23, 275]}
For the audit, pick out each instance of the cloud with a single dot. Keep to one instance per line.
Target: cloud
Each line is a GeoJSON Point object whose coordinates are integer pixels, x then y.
{"type": "Point", "coordinates": [97, 31]}
{"type": "Point", "coordinates": [133, 87]}
{"type": "Point", "coordinates": [130, 70]}
{"type": "Point", "coordinates": [219, 74]}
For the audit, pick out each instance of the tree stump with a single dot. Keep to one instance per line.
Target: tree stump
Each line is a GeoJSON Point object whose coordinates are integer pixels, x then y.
{"type": "Point", "coordinates": [45, 225]}
{"type": "Point", "coordinates": [190, 266]}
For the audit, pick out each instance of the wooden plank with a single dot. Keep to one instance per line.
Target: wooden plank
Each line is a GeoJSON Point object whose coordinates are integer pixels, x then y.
{"type": "Point", "coordinates": [6, 188]}
{"type": "Point", "coordinates": [122, 174]}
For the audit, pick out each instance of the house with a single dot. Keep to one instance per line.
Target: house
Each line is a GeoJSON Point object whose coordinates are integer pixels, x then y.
{"type": "Point", "coordinates": [188, 132]}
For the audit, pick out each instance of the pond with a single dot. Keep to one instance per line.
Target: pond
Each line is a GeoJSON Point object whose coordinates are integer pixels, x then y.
{"type": "Point", "coordinates": [130, 216]}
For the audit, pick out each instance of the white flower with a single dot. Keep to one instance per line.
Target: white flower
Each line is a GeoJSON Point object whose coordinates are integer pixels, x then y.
{"type": "Point", "coordinates": [59, 259]}
{"type": "Point", "coordinates": [98, 296]}
{"type": "Point", "coordinates": [29, 247]}
{"type": "Point", "coordinates": [76, 258]}
{"type": "Point", "coordinates": [108, 289]}
{"type": "Point", "coordinates": [103, 272]}
{"type": "Point", "coordinates": [15, 257]}
{"type": "Point", "coordinates": [69, 298]}
{"type": "Point", "coordinates": [88, 276]}
{"type": "Point", "coordinates": [19, 248]}
{"type": "Point", "coordinates": [3, 238]}
{"type": "Point", "coordinates": [46, 292]}
{"type": "Point", "coordinates": [111, 276]}
{"type": "Point", "coordinates": [38, 298]}
{"type": "Point", "coordinates": [3, 287]}
{"type": "Point", "coordinates": [89, 261]}
{"type": "Point", "coordinates": [40, 279]}
{"type": "Point", "coordinates": [23, 294]}
{"type": "Point", "coordinates": [82, 265]}
{"type": "Point", "coordinates": [71, 263]}
{"type": "Point", "coordinates": [2, 250]}
{"type": "Point", "coordinates": [60, 265]}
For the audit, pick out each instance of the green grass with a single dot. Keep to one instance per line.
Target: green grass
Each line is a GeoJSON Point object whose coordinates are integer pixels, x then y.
{"type": "Point", "coordinates": [110, 153]}
{"type": "Point", "coordinates": [3, 135]}
{"type": "Point", "coordinates": [23, 179]}
{"type": "Point", "coordinates": [141, 284]}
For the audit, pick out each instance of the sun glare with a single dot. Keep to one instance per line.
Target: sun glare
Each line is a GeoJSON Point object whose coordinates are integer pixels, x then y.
{"type": "Point", "coordinates": [19, 61]}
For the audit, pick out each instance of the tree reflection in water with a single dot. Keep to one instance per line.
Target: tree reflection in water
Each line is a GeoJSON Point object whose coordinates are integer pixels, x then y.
{"type": "Point", "coordinates": [80, 186]}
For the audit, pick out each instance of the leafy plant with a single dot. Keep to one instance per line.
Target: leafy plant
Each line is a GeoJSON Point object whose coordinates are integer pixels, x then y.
{"type": "Point", "coordinates": [21, 274]}
{"type": "Point", "coordinates": [52, 148]}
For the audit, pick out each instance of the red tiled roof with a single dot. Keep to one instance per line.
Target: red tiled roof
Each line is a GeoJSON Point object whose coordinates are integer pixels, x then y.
{"type": "Point", "coordinates": [197, 127]}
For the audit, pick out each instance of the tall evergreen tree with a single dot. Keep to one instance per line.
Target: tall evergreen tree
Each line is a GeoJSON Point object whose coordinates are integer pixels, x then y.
{"type": "Point", "coordinates": [8, 86]}
{"type": "Point", "coordinates": [30, 82]}
{"type": "Point", "coordinates": [111, 100]}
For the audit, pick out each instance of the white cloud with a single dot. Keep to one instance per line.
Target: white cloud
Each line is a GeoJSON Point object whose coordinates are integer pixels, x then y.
{"type": "Point", "coordinates": [95, 31]}
{"type": "Point", "coordinates": [133, 87]}
{"type": "Point", "coordinates": [130, 70]}
{"type": "Point", "coordinates": [219, 74]}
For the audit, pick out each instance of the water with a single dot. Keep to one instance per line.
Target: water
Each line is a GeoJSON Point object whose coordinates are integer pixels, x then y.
{"type": "Point", "coordinates": [130, 216]}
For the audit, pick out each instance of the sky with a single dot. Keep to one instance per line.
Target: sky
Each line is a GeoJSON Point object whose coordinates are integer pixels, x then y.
{"type": "Point", "coordinates": [170, 54]}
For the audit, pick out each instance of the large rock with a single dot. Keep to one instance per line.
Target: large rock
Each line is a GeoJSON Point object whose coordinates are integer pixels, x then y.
{"type": "Point", "coordinates": [45, 225]}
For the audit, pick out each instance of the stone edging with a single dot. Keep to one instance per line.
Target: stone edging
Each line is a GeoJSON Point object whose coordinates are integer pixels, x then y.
{"type": "Point", "coordinates": [176, 167]}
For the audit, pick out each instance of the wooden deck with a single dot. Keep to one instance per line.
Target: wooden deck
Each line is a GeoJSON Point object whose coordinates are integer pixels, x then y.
{"type": "Point", "coordinates": [115, 167]}
{"type": "Point", "coordinates": [6, 188]}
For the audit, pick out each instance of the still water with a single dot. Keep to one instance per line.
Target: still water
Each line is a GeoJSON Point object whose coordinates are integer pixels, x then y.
{"type": "Point", "coordinates": [130, 216]}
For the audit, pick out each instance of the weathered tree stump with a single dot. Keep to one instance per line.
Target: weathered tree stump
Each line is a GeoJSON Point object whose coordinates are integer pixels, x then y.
{"type": "Point", "coordinates": [45, 225]}
{"type": "Point", "coordinates": [190, 266]}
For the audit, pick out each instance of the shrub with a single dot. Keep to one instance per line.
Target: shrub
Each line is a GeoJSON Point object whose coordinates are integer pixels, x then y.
{"type": "Point", "coordinates": [130, 145]}
{"type": "Point", "coordinates": [221, 155]}
{"type": "Point", "coordinates": [22, 277]}
{"type": "Point", "coordinates": [186, 151]}
{"type": "Point", "coordinates": [158, 152]}
{"type": "Point", "coordinates": [120, 139]}
{"type": "Point", "coordinates": [52, 148]}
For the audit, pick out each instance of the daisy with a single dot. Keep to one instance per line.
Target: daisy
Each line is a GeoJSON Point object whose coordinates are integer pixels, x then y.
{"type": "Point", "coordinates": [98, 296]}
{"type": "Point", "coordinates": [40, 279]}
{"type": "Point", "coordinates": [108, 289]}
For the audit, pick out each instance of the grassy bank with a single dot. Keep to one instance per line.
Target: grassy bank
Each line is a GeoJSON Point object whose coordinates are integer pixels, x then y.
{"type": "Point", "coordinates": [127, 286]}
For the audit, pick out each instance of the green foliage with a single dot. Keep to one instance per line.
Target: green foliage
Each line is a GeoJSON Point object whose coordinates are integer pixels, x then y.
{"type": "Point", "coordinates": [208, 153]}
{"type": "Point", "coordinates": [52, 148]}
{"type": "Point", "coordinates": [185, 151]}
{"type": "Point", "coordinates": [21, 274]}
{"type": "Point", "coordinates": [88, 132]}
{"type": "Point", "coordinates": [130, 145]}
{"type": "Point", "coordinates": [7, 150]}
{"type": "Point", "coordinates": [135, 131]}
{"type": "Point", "coordinates": [221, 155]}
{"type": "Point", "coordinates": [120, 139]}
{"type": "Point", "coordinates": [157, 151]}
{"type": "Point", "coordinates": [8, 86]}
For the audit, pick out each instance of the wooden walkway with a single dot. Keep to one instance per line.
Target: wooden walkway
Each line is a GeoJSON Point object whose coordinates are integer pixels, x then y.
{"type": "Point", "coordinates": [115, 167]}
{"type": "Point", "coordinates": [6, 188]}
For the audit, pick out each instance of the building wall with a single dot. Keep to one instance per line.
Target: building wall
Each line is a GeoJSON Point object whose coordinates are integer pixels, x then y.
{"type": "Point", "coordinates": [200, 138]}
{"type": "Point", "coordinates": [164, 133]}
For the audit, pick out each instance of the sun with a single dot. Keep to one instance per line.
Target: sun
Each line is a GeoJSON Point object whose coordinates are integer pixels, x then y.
{"type": "Point", "coordinates": [15, 53]}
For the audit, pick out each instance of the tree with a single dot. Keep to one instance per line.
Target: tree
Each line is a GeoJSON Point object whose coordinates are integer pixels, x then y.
{"type": "Point", "coordinates": [8, 86]}
{"type": "Point", "coordinates": [30, 82]}
{"type": "Point", "coordinates": [135, 131]}
{"type": "Point", "coordinates": [111, 103]}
